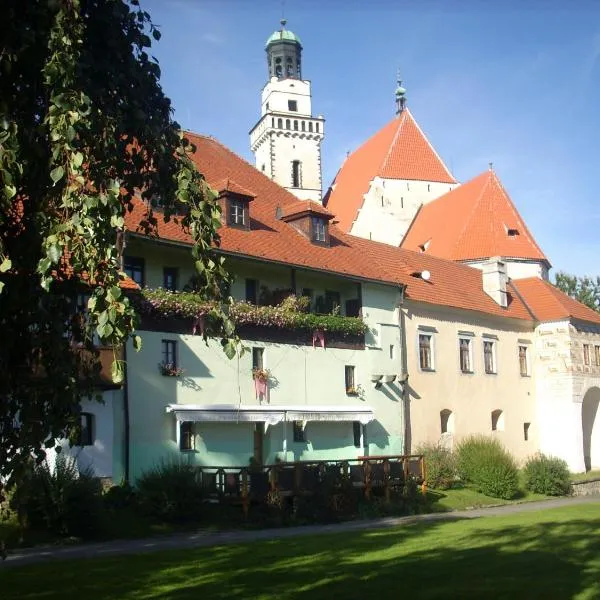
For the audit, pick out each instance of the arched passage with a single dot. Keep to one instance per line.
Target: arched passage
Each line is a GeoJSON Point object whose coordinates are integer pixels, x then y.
{"type": "Point", "coordinates": [590, 422]}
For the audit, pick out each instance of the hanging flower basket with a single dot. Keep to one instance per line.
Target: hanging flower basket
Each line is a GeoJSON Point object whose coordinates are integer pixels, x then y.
{"type": "Point", "coordinates": [261, 374]}
{"type": "Point", "coordinates": [170, 370]}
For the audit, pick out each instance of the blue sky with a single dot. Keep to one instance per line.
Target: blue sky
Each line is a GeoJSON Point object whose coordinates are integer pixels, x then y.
{"type": "Point", "coordinates": [514, 83]}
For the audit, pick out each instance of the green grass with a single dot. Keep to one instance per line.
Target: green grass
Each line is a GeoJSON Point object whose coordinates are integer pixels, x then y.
{"type": "Point", "coordinates": [544, 555]}
{"type": "Point", "coordinates": [585, 476]}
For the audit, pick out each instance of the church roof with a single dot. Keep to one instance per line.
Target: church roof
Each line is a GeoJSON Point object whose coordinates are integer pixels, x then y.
{"type": "Point", "coordinates": [399, 150]}
{"type": "Point", "coordinates": [475, 220]}
{"type": "Point", "coordinates": [548, 303]}
{"type": "Point", "coordinates": [273, 240]}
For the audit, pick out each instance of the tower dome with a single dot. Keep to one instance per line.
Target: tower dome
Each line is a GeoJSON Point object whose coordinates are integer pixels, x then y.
{"type": "Point", "coordinates": [284, 51]}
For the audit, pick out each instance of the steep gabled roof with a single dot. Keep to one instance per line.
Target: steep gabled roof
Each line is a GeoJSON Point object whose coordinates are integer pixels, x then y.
{"type": "Point", "coordinates": [475, 220]}
{"type": "Point", "coordinates": [399, 150]}
{"type": "Point", "coordinates": [548, 303]}
{"type": "Point", "coordinates": [272, 239]}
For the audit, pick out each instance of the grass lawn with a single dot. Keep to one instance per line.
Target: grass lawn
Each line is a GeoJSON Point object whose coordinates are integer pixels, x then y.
{"type": "Point", "coordinates": [549, 554]}
{"type": "Point", "coordinates": [586, 476]}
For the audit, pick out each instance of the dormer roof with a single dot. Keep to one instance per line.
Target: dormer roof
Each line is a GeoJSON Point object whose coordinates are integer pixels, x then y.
{"type": "Point", "coordinates": [305, 207]}
{"type": "Point", "coordinates": [228, 185]}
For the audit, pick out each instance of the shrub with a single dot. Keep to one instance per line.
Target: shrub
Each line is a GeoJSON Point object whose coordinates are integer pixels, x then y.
{"type": "Point", "coordinates": [120, 497]}
{"type": "Point", "coordinates": [170, 492]}
{"type": "Point", "coordinates": [483, 462]}
{"type": "Point", "coordinates": [62, 500]}
{"type": "Point", "coordinates": [440, 466]}
{"type": "Point", "coordinates": [547, 475]}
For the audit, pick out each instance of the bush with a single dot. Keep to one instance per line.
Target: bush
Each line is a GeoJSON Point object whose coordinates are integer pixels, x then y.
{"type": "Point", "coordinates": [62, 500]}
{"type": "Point", "coordinates": [440, 466]}
{"type": "Point", "coordinates": [547, 475]}
{"type": "Point", "coordinates": [170, 492]}
{"type": "Point", "coordinates": [483, 462]}
{"type": "Point", "coordinates": [120, 497]}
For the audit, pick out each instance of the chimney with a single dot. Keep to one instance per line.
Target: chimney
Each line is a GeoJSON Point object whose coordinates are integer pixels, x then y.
{"type": "Point", "coordinates": [495, 280]}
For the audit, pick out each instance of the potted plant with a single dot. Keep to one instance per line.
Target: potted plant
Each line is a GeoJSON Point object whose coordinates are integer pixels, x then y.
{"type": "Point", "coordinates": [261, 375]}
{"type": "Point", "coordinates": [170, 370]}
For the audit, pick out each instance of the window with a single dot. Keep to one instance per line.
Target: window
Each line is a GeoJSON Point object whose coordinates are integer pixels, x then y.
{"type": "Point", "coordinates": [586, 354]}
{"type": "Point", "coordinates": [295, 125]}
{"type": "Point", "coordinates": [186, 435]}
{"type": "Point", "coordinates": [251, 290]}
{"type": "Point", "coordinates": [237, 214]}
{"type": "Point", "coordinates": [357, 433]}
{"type": "Point", "coordinates": [523, 361]}
{"type": "Point", "coordinates": [497, 420]}
{"type": "Point", "coordinates": [293, 105]}
{"type": "Point", "coordinates": [169, 353]}
{"type": "Point", "coordinates": [86, 434]}
{"type": "Point", "coordinates": [425, 354]}
{"type": "Point", "coordinates": [258, 358]}
{"type": "Point", "coordinates": [489, 356]}
{"type": "Point", "coordinates": [597, 355]}
{"type": "Point", "coordinates": [349, 376]}
{"type": "Point", "coordinates": [310, 126]}
{"type": "Point", "coordinates": [392, 351]}
{"type": "Point", "coordinates": [135, 268]}
{"type": "Point", "coordinates": [332, 301]}
{"type": "Point", "coordinates": [303, 125]}
{"type": "Point", "coordinates": [446, 421]}
{"type": "Point", "coordinates": [170, 278]}
{"type": "Point", "coordinates": [526, 427]}
{"type": "Point", "coordinates": [287, 123]}
{"type": "Point", "coordinates": [465, 355]}
{"type": "Point", "coordinates": [317, 127]}
{"type": "Point", "coordinates": [280, 123]}
{"type": "Point", "coordinates": [296, 175]}
{"type": "Point", "coordinates": [319, 230]}
{"type": "Point", "coordinates": [299, 428]}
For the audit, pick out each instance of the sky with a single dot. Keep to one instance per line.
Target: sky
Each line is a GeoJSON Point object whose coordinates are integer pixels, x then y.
{"type": "Point", "coordinates": [509, 82]}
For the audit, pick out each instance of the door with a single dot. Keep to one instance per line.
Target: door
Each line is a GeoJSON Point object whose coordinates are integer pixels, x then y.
{"type": "Point", "coordinates": [259, 438]}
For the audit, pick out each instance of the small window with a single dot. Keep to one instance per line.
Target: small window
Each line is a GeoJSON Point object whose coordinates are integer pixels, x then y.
{"type": "Point", "coordinates": [428, 187]}
{"type": "Point", "coordinates": [446, 421]}
{"type": "Point", "coordinates": [296, 175]}
{"type": "Point", "coordinates": [299, 431]}
{"type": "Point", "coordinates": [317, 127]}
{"type": "Point", "coordinates": [237, 213]}
{"type": "Point", "coordinates": [251, 291]}
{"type": "Point", "coordinates": [258, 358]}
{"type": "Point", "coordinates": [512, 232]}
{"type": "Point", "coordinates": [465, 355]}
{"type": "Point", "coordinates": [295, 125]}
{"type": "Point", "coordinates": [280, 123]}
{"type": "Point", "coordinates": [392, 351]}
{"type": "Point", "coordinates": [357, 433]}
{"type": "Point", "coordinates": [267, 106]}
{"type": "Point", "coordinates": [332, 301]}
{"type": "Point", "coordinates": [526, 427]}
{"type": "Point", "coordinates": [489, 356]}
{"type": "Point", "coordinates": [169, 353]}
{"type": "Point", "coordinates": [86, 434]}
{"type": "Point", "coordinates": [310, 126]}
{"type": "Point", "coordinates": [349, 377]}
{"type": "Point", "coordinates": [293, 105]}
{"type": "Point", "coordinates": [134, 267]}
{"type": "Point", "coordinates": [186, 435]}
{"type": "Point", "coordinates": [287, 123]}
{"type": "Point", "coordinates": [586, 354]}
{"type": "Point", "coordinates": [425, 353]}
{"type": "Point", "coordinates": [597, 355]}
{"type": "Point", "coordinates": [319, 230]}
{"type": "Point", "coordinates": [170, 278]}
{"type": "Point", "coordinates": [303, 125]}
{"type": "Point", "coordinates": [523, 361]}
{"type": "Point", "coordinates": [272, 121]}
{"type": "Point", "coordinates": [497, 420]}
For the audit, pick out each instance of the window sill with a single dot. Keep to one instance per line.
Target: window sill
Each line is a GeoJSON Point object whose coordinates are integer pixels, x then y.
{"type": "Point", "coordinates": [491, 372]}
{"type": "Point", "coordinates": [190, 451]}
{"type": "Point", "coordinates": [351, 393]}
{"type": "Point", "coordinates": [467, 372]}
{"type": "Point", "coordinates": [424, 370]}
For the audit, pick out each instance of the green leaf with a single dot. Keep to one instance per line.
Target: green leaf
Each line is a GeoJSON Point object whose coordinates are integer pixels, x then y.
{"type": "Point", "coordinates": [114, 293]}
{"type": "Point", "coordinates": [6, 265]}
{"type": "Point", "coordinates": [54, 253]}
{"type": "Point", "coordinates": [230, 349]}
{"type": "Point", "coordinates": [57, 174]}
{"type": "Point", "coordinates": [1, 286]}
{"type": "Point", "coordinates": [137, 343]}
{"type": "Point", "coordinates": [117, 371]}
{"type": "Point", "coordinates": [77, 159]}
{"type": "Point", "coordinates": [10, 191]}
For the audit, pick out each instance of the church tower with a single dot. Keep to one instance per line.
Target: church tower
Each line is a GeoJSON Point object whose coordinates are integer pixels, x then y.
{"type": "Point", "coordinates": [286, 141]}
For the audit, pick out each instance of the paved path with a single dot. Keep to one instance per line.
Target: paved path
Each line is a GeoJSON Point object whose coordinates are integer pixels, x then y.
{"type": "Point", "coordinates": [220, 538]}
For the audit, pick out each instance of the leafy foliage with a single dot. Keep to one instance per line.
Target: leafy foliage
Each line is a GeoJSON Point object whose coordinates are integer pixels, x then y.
{"type": "Point", "coordinates": [483, 462]}
{"type": "Point", "coordinates": [584, 289]}
{"type": "Point", "coordinates": [440, 466]}
{"type": "Point", "coordinates": [84, 126]}
{"type": "Point", "coordinates": [547, 475]}
{"type": "Point", "coordinates": [289, 314]}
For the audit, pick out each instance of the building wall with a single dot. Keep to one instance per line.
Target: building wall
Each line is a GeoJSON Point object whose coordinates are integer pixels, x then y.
{"type": "Point", "coordinates": [470, 397]}
{"type": "Point", "coordinates": [518, 269]}
{"type": "Point", "coordinates": [390, 206]}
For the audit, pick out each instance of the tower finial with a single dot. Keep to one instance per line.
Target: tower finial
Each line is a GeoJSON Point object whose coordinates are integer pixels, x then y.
{"type": "Point", "coordinates": [491, 166]}
{"type": "Point", "coordinates": [400, 94]}
{"type": "Point", "coordinates": [283, 23]}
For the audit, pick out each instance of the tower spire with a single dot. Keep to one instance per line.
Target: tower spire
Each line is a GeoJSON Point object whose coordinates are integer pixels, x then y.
{"type": "Point", "coordinates": [400, 94]}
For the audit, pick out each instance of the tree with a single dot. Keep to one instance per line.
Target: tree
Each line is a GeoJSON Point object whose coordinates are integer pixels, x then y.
{"type": "Point", "coordinates": [584, 289]}
{"type": "Point", "coordinates": [84, 126]}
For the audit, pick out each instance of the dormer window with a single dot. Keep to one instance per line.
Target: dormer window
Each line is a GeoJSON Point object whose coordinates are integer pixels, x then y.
{"type": "Point", "coordinates": [237, 213]}
{"type": "Point", "coordinates": [234, 201]}
{"type": "Point", "coordinates": [319, 230]}
{"type": "Point", "coordinates": [512, 232]}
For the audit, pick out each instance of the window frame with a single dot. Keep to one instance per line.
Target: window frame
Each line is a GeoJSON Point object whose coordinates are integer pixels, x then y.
{"type": "Point", "coordinates": [597, 354]}
{"type": "Point", "coordinates": [187, 436]}
{"type": "Point", "coordinates": [524, 372]}
{"type": "Point", "coordinates": [86, 435]}
{"type": "Point", "coordinates": [350, 380]}
{"type": "Point", "coordinates": [357, 434]}
{"type": "Point", "coordinates": [493, 368]}
{"type": "Point", "coordinates": [296, 174]}
{"type": "Point", "coordinates": [318, 228]}
{"type": "Point", "coordinates": [332, 299]}
{"type": "Point", "coordinates": [252, 297]}
{"type": "Point", "coordinates": [430, 336]}
{"type": "Point", "coordinates": [172, 272]}
{"type": "Point", "coordinates": [135, 264]}
{"type": "Point", "coordinates": [526, 428]}
{"type": "Point", "coordinates": [468, 340]}
{"type": "Point", "coordinates": [497, 419]}
{"type": "Point", "coordinates": [299, 432]}
{"type": "Point", "coordinates": [234, 206]}
{"type": "Point", "coordinates": [169, 349]}
{"type": "Point", "coordinates": [586, 355]}
{"type": "Point", "coordinates": [258, 357]}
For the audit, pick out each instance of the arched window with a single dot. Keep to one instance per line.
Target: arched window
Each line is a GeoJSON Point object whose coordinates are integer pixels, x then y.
{"type": "Point", "coordinates": [280, 123]}
{"type": "Point", "coordinates": [302, 125]}
{"type": "Point", "coordinates": [272, 121]}
{"type": "Point", "coordinates": [287, 123]}
{"type": "Point", "coordinates": [317, 127]}
{"type": "Point", "coordinates": [296, 174]}
{"type": "Point", "coordinates": [497, 420]}
{"type": "Point", "coordinates": [295, 125]}
{"type": "Point", "coordinates": [310, 126]}
{"type": "Point", "coordinates": [446, 421]}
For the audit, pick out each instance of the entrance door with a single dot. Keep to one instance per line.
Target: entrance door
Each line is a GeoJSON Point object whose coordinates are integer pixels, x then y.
{"type": "Point", "coordinates": [259, 439]}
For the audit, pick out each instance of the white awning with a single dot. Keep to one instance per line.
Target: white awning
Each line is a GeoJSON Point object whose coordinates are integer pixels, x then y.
{"type": "Point", "coordinates": [271, 414]}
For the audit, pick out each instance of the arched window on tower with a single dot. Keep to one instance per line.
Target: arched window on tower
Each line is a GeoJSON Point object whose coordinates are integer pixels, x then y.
{"type": "Point", "coordinates": [317, 127]}
{"type": "Point", "coordinates": [296, 174]}
{"type": "Point", "coordinates": [302, 125]}
{"type": "Point", "coordinates": [272, 121]}
{"type": "Point", "coordinates": [310, 126]}
{"type": "Point", "coordinates": [278, 68]}
{"type": "Point", "coordinates": [295, 125]}
{"type": "Point", "coordinates": [280, 123]}
{"type": "Point", "coordinates": [287, 123]}
{"type": "Point", "coordinates": [289, 68]}
{"type": "Point", "coordinates": [298, 69]}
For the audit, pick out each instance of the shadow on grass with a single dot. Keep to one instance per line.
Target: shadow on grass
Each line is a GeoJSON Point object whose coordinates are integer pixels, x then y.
{"type": "Point", "coordinates": [548, 555]}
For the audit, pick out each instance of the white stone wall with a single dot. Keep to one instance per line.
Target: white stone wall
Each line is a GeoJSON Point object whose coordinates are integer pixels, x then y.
{"type": "Point", "coordinates": [390, 206]}
{"type": "Point", "coordinates": [518, 268]}
{"type": "Point", "coordinates": [277, 92]}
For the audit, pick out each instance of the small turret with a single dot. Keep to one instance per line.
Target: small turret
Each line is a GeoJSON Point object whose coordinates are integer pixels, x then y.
{"type": "Point", "coordinates": [284, 52]}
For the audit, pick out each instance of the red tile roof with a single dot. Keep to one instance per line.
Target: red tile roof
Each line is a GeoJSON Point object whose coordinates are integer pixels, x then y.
{"type": "Point", "coordinates": [272, 239]}
{"type": "Point", "coordinates": [399, 150]}
{"type": "Point", "coordinates": [473, 221]}
{"type": "Point", "coordinates": [305, 206]}
{"type": "Point", "coordinates": [229, 185]}
{"type": "Point", "coordinates": [548, 303]}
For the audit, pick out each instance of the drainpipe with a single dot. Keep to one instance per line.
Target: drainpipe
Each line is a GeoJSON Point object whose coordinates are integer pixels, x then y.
{"type": "Point", "coordinates": [404, 372]}
{"type": "Point", "coordinates": [126, 415]}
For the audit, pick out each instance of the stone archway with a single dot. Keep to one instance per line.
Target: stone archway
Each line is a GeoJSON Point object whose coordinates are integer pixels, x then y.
{"type": "Point", "coordinates": [590, 421]}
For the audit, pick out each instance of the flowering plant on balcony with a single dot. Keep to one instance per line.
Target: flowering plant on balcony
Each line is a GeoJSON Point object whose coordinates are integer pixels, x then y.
{"type": "Point", "coordinates": [261, 374]}
{"type": "Point", "coordinates": [170, 370]}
